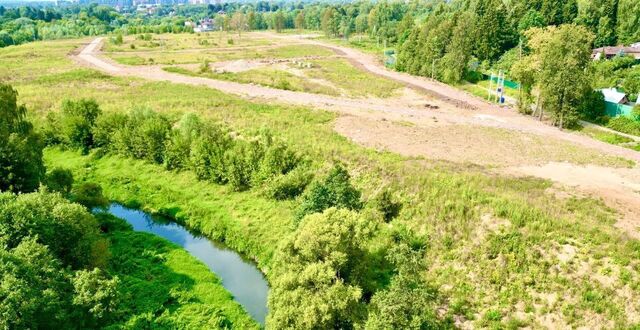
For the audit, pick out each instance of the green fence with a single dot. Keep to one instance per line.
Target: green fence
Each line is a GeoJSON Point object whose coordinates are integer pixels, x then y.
{"type": "Point", "coordinates": [615, 109]}
{"type": "Point", "coordinates": [389, 58]}
{"type": "Point", "coordinates": [507, 83]}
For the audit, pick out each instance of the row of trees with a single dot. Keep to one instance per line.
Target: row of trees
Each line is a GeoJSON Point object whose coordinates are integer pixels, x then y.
{"type": "Point", "coordinates": [556, 67]}
{"type": "Point", "coordinates": [544, 45]}
{"type": "Point", "coordinates": [208, 149]}
{"type": "Point", "coordinates": [26, 24]}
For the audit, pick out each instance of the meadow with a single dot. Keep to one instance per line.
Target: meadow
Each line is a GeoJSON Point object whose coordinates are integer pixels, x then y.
{"type": "Point", "coordinates": [212, 47]}
{"type": "Point", "coordinates": [325, 76]}
{"type": "Point", "coordinates": [283, 64]}
{"type": "Point", "coordinates": [502, 251]}
{"type": "Point", "coordinates": [163, 285]}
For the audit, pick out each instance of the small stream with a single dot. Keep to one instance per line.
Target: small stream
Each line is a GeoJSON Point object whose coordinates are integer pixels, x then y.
{"type": "Point", "coordinates": [239, 276]}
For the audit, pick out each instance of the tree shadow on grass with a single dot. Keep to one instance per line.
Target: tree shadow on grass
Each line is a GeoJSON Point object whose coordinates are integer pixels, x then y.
{"type": "Point", "coordinates": [152, 294]}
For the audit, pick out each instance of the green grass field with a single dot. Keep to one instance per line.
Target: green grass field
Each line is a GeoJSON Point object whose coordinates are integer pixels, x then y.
{"type": "Point", "coordinates": [163, 42]}
{"type": "Point", "coordinates": [215, 54]}
{"type": "Point", "coordinates": [161, 282]}
{"type": "Point", "coordinates": [338, 75]}
{"type": "Point", "coordinates": [269, 77]}
{"type": "Point", "coordinates": [532, 255]}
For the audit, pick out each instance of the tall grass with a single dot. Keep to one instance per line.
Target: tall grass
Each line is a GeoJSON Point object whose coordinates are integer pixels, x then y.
{"type": "Point", "coordinates": [500, 236]}
{"type": "Point", "coordinates": [161, 285]}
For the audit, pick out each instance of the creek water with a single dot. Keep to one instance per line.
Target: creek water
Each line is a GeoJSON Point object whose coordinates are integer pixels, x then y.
{"type": "Point", "coordinates": [239, 276]}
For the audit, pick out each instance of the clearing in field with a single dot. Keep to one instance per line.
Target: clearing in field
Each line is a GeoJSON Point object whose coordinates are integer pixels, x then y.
{"type": "Point", "coordinates": [253, 58]}
{"type": "Point", "coordinates": [543, 253]}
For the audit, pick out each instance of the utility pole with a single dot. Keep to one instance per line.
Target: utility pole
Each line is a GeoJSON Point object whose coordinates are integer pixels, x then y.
{"type": "Point", "coordinates": [489, 89]}
{"type": "Point", "coordinates": [520, 84]}
{"type": "Point", "coordinates": [433, 68]}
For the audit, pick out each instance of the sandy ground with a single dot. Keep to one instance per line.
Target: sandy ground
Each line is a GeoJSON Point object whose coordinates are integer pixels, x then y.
{"type": "Point", "coordinates": [619, 188]}
{"type": "Point", "coordinates": [440, 122]}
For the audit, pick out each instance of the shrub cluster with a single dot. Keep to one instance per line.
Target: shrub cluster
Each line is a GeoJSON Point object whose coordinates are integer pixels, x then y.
{"type": "Point", "coordinates": [625, 125]}
{"type": "Point", "coordinates": [51, 261]}
{"type": "Point", "coordinates": [209, 149]}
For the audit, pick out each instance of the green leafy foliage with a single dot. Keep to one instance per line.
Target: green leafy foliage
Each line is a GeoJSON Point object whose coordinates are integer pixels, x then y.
{"type": "Point", "coordinates": [59, 180]}
{"type": "Point", "coordinates": [21, 165]}
{"type": "Point", "coordinates": [559, 57]}
{"type": "Point", "coordinates": [317, 268]}
{"type": "Point", "coordinates": [178, 147]}
{"type": "Point", "coordinates": [105, 128]}
{"type": "Point", "coordinates": [78, 119]}
{"type": "Point", "coordinates": [334, 191]}
{"type": "Point", "coordinates": [592, 106]}
{"type": "Point", "coordinates": [49, 246]}
{"type": "Point", "coordinates": [408, 302]}
{"type": "Point", "coordinates": [290, 185]}
{"type": "Point", "coordinates": [143, 136]}
{"type": "Point", "coordinates": [625, 125]}
{"type": "Point", "coordinates": [387, 206]}
{"type": "Point", "coordinates": [90, 196]}
{"type": "Point", "coordinates": [190, 144]}
{"type": "Point", "coordinates": [33, 288]}
{"type": "Point", "coordinates": [208, 154]}
{"type": "Point", "coordinates": [68, 230]}
{"type": "Point", "coordinates": [95, 294]}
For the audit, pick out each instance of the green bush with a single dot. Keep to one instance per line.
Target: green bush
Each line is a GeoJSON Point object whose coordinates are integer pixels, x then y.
{"type": "Point", "coordinates": [105, 127]}
{"type": "Point", "coordinates": [46, 245]}
{"type": "Point", "coordinates": [592, 106]}
{"type": "Point", "coordinates": [290, 185]}
{"type": "Point", "coordinates": [67, 229]}
{"type": "Point", "coordinates": [78, 119]}
{"type": "Point", "coordinates": [90, 196]}
{"type": "Point", "coordinates": [387, 206]}
{"type": "Point", "coordinates": [277, 159]}
{"type": "Point", "coordinates": [318, 266]}
{"type": "Point", "coordinates": [624, 125]}
{"type": "Point", "coordinates": [143, 136]}
{"type": "Point", "coordinates": [117, 40]}
{"type": "Point", "coordinates": [204, 67]}
{"type": "Point", "coordinates": [334, 191]}
{"type": "Point", "coordinates": [473, 76]}
{"type": "Point", "coordinates": [239, 165]}
{"type": "Point", "coordinates": [59, 180]}
{"type": "Point", "coordinates": [284, 84]}
{"type": "Point", "coordinates": [21, 164]}
{"type": "Point", "coordinates": [95, 294]}
{"type": "Point", "coordinates": [50, 130]}
{"type": "Point", "coordinates": [208, 154]}
{"type": "Point", "coordinates": [178, 148]}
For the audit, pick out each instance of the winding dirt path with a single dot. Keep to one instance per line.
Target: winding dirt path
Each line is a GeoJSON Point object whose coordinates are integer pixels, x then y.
{"type": "Point", "coordinates": [480, 132]}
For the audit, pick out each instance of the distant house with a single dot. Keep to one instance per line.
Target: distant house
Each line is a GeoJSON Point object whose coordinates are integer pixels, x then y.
{"type": "Point", "coordinates": [609, 52]}
{"type": "Point", "coordinates": [616, 103]}
{"type": "Point", "coordinates": [613, 96]}
{"type": "Point", "coordinates": [205, 25]}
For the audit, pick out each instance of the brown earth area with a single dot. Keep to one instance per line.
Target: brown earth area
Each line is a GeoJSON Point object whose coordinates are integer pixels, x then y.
{"type": "Point", "coordinates": [438, 121]}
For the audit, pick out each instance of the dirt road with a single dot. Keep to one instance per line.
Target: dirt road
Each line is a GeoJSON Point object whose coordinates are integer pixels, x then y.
{"type": "Point", "coordinates": [475, 131]}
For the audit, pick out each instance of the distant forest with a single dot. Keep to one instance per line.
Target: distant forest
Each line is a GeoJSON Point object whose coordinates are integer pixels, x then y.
{"type": "Point", "coordinates": [451, 41]}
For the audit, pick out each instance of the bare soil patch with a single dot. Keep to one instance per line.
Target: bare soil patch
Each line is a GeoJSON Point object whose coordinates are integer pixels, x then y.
{"type": "Point", "coordinates": [618, 187]}
{"type": "Point", "coordinates": [434, 123]}
{"type": "Point", "coordinates": [465, 143]}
